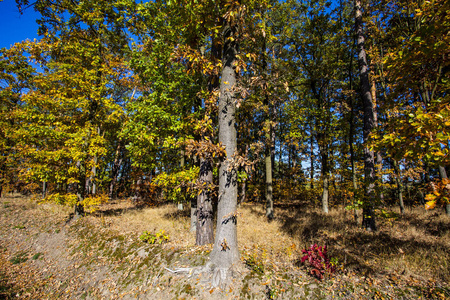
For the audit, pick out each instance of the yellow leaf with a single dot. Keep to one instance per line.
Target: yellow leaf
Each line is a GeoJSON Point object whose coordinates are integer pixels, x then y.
{"type": "Point", "coordinates": [430, 197]}
{"type": "Point", "coordinates": [430, 205]}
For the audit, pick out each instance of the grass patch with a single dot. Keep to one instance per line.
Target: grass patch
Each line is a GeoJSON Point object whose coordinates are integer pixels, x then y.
{"type": "Point", "coordinates": [19, 258]}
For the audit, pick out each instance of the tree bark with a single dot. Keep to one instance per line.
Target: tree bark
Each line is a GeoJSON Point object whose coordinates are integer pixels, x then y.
{"type": "Point", "coordinates": [225, 252]}
{"type": "Point", "coordinates": [180, 205]}
{"type": "Point", "coordinates": [351, 137]}
{"type": "Point", "coordinates": [194, 205]}
{"type": "Point", "coordinates": [268, 160]}
{"type": "Point", "coordinates": [44, 189]}
{"type": "Point", "coordinates": [323, 149]}
{"type": "Point", "coordinates": [269, 183]}
{"type": "Point", "coordinates": [137, 190]}
{"type": "Point", "coordinates": [269, 139]}
{"type": "Point", "coordinates": [442, 172]}
{"type": "Point", "coordinates": [369, 124]}
{"type": "Point", "coordinates": [325, 193]}
{"type": "Point", "coordinates": [205, 209]}
{"type": "Point", "coordinates": [352, 157]}
{"type": "Point", "coordinates": [243, 191]}
{"type": "Point", "coordinates": [379, 159]}
{"type": "Point", "coordinates": [205, 214]}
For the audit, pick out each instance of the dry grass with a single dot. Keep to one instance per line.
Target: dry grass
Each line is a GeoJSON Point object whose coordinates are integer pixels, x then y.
{"type": "Point", "coordinates": [409, 252]}
{"type": "Point", "coordinates": [153, 219]}
{"type": "Point", "coordinates": [415, 244]}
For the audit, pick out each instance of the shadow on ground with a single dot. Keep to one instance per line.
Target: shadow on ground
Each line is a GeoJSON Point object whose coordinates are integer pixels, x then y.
{"type": "Point", "coordinates": [357, 248]}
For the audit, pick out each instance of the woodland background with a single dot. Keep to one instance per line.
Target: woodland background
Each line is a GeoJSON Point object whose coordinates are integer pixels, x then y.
{"type": "Point", "coordinates": [338, 104]}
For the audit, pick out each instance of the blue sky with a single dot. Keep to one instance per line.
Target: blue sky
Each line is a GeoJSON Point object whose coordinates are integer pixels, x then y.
{"type": "Point", "coordinates": [15, 27]}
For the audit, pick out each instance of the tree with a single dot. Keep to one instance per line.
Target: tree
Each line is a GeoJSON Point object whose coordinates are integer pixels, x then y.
{"type": "Point", "coordinates": [369, 123]}
{"type": "Point", "coordinates": [314, 58]}
{"type": "Point", "coordinates": [225, 253]}
{"type": "Point", "coordinates": [77, 96]}
{"type": "Point", "coordinates": [416, 69]}
{"type": "Point", "coordinates": [15, 78]}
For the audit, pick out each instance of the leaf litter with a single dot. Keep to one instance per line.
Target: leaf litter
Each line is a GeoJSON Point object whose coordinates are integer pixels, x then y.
{"type": "Point", "coordinates": [91, 259]}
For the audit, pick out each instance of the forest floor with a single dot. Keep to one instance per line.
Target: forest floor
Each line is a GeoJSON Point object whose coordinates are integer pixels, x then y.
{"type": "Point", "coordinates": [43, 255]}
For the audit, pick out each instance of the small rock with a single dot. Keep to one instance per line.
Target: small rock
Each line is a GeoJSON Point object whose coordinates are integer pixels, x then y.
{"type": "Point", "coordinates": [313, 286]}
{"type": "Point", "coordinates": [142, 253]}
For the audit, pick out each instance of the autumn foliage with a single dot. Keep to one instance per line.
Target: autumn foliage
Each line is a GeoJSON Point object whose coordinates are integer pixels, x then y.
{"type": "Point", "coordinates": [318, 261]}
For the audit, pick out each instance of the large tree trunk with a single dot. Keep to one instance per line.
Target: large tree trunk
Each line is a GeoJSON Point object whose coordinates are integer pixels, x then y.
{"type": "Point", "coordinates": [369, 124]}
{"type": "Point", "coordinates": [225, 252]}
{"type": "Point", "coordinates": [204, 208]}
{"type": "Point", "coordinates": [204, 225]}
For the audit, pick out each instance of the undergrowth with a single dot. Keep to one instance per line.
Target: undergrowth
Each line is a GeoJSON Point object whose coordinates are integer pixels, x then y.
{"type": "Point", "coordinates": [407, 258]}
{"type": "Point", "coordinates": [319, 263]}
{"type": "Point", "coordinates": [156, 238]}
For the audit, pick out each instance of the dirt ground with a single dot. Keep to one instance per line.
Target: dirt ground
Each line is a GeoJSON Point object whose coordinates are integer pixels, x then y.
{"type": "Point", "coordinates": [45, 255]}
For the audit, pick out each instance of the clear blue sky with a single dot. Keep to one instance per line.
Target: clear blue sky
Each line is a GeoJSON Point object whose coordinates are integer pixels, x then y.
{"type": "Point", "coordinates": [15, 27]}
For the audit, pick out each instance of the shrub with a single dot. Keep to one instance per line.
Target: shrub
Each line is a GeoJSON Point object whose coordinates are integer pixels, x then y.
{"type": "Point", "coordinates": [92, 202]}
{"type": "Point", "coordinates": [62, 199]}
{"type": "Point", "coordinates": [157, 238]}
{"type": "Point", "coordinates": [319, 262]}
{"type": "Point", "coordinates": [254, 259]}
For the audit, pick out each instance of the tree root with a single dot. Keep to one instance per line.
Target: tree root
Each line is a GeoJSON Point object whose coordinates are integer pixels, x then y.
{"type": "Point", "coordinates": [217, 277]}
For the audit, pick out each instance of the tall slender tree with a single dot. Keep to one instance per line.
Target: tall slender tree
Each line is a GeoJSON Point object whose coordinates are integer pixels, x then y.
{"type": "Point", "coordinates": [369, 122]}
